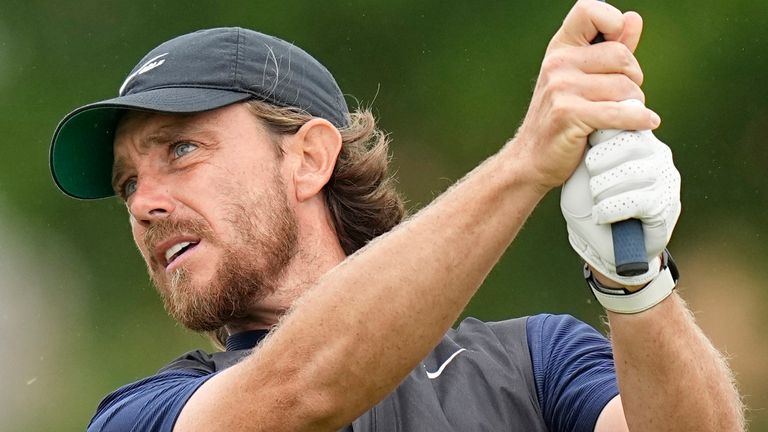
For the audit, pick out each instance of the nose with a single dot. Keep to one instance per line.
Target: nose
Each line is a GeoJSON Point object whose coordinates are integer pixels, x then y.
{"type": "Point", "coordinates": [150, 201]}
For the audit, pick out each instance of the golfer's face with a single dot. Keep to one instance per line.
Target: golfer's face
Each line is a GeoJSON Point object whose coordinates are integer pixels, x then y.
{"type": "Point", "coordinates": [179, 175]}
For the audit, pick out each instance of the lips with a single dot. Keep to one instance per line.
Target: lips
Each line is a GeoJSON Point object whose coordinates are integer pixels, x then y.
{"type": "Point", "coordinates": [177, 250]}
{"type": "Point", "coordinates": [173, 249]}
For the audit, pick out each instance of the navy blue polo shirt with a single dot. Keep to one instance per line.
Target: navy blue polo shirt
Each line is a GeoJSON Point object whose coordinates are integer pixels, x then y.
{"type": "Point", "coordinates": [571, 364]}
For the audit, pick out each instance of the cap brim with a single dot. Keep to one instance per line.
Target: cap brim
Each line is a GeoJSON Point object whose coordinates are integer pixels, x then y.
{"type": "Point", "coordinates": [81, 149]}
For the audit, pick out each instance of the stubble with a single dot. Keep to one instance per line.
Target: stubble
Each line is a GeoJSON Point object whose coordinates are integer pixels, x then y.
{"type": "Point", "coordinates": [266, 239]}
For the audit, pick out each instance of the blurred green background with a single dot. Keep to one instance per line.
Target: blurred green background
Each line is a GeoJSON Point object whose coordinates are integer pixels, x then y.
{"type": "Point", "coordinates": [451, 82]}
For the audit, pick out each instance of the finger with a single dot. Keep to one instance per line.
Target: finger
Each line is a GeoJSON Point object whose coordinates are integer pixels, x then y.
{"type": "Point", "coordinates": [628, 146]}
{"type": "Point", "coordinates": [613, 87]}
{"type": "Point", "coordinates": [628, 205]}
{"type": "Point", "coordinates": [612, 57]}
{"type": "Point", "coordinates": [597, 87]}
{"type": "Point", "coordinates": [604, 58]}
{"type": "Point", "coordinates": [608, 87]}
{"type": "Point", "coordinates": [622, 116]}
{"type": "Point", "coordinates": [633, 28]}
{"type": "Point", "coordinates": [630, 176]}
{"type": "Point", "coordinates": [585, 20]}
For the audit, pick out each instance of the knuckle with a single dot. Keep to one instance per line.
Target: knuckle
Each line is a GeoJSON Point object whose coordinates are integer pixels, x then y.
{"type": "Point", "coordinates": [632, 90]}
{"type": "Point", "coordinates": [628, 64]}
{"type": "Point", "coordinates": [624, 57]}
{"type": "Point", "coordinates": [581, 8]}
{"type": "Point", "coordinates": [612, 114]}
{"type": "Point", "coordinates": [639, 95]}
{"type": "Point", "coordinates": [552, 63]}
{"type": "Point", "coordinates": [560, 108]}
{"type": "Point", "coordinates": [559, 83]}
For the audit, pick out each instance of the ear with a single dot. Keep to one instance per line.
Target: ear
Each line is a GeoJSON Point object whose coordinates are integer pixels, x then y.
{"type": "Point", "coordinates": [317, 144]}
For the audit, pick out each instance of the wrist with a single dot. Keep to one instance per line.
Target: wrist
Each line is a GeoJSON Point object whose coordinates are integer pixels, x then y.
{"type": "Point", "coordinates": [541, 174]}
{"type": "Point", "coordinates": [626, 300]}
{"type": "Point", "coordinates": [518, 163]}
{"type": "Point", "coordinates": [610, 283]}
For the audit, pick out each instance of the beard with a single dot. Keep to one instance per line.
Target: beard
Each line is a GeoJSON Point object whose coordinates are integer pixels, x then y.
{"type": "Point", "coordinates": [265, 240]}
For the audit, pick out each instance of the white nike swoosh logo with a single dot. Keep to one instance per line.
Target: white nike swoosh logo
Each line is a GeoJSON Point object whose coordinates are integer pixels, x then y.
{"type": "Point", "coordinates": [146, 67]}
{"type": "Point", "coordinates": [435, 374]}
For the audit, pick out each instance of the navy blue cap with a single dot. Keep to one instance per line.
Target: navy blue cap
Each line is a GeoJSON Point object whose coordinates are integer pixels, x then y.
{"type": "Point", "coordinates": [195, 72]}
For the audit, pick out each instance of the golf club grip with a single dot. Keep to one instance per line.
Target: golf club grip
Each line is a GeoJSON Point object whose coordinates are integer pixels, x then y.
{"type": "Point", "coordinates": [628, 239]}
{"type": "Point", "coordinates": [629, 247]}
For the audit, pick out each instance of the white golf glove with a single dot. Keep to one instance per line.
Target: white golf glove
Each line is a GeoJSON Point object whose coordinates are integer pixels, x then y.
{"type": "Point", "coordinates": [630, 175]}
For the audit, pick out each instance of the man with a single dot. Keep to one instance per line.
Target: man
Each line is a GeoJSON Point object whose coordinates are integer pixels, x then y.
{"type": "Point", "coordinates": [253, 194]}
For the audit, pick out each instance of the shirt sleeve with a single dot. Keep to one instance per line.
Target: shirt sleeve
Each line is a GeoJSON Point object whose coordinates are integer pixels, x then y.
{"type": "Point", "coordinates": [150, 405]}
{"type": "Point", "coordinates": [573, 369]}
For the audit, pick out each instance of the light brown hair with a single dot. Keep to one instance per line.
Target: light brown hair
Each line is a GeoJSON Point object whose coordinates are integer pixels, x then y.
{"type": "Point", "coordinates": [361, 194]}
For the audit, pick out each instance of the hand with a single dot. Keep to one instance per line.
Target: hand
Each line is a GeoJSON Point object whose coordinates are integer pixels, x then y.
{"type": "Point", "coordinates": [578, 90]}
{"type": "Point", "coordinates": [631, 175]}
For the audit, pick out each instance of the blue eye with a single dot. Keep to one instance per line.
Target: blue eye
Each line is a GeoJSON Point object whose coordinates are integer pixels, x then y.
{"type": "Point", "coordinates": [182, 148]}
{"type": "Point", "coordinates": [129, 187]}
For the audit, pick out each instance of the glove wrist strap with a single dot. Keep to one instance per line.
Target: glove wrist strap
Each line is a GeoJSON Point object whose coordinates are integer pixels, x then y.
{"type": "Point", "coordinates": [623, 301]}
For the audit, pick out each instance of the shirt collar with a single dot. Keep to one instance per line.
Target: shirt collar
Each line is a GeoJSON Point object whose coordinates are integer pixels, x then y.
{"type": "Point", "coordinates": [245, 340]}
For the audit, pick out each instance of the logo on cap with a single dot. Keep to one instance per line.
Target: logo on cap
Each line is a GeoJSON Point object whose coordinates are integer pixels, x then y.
{"type": "Point", "coordinates": [146, 67]}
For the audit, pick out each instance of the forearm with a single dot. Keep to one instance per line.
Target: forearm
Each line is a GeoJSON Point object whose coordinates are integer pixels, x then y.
{"type": "Point", "coordinates": [670, 376]}
{"type": "Point", "coordinates": [353, 337]}
{"type": "Point", "coordinates": [409, 287]}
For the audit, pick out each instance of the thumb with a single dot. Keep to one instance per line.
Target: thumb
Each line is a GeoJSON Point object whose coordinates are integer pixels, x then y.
{"type": "Point", "coordinates": [633, 27]}
{"type": "Point", "coordinates": [586, 19]}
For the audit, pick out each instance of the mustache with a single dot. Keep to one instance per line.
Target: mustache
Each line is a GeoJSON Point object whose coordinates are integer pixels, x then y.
{"type": "Point", "coordinates": [163, 229]}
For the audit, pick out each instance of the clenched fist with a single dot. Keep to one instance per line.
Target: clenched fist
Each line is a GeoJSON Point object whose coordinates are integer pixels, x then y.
{"type": "Point", "coordinates": [579, 89]}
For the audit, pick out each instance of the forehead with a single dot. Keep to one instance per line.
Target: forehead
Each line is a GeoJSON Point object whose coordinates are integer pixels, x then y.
{"type": "Point", "coordinates": [143, 129]}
